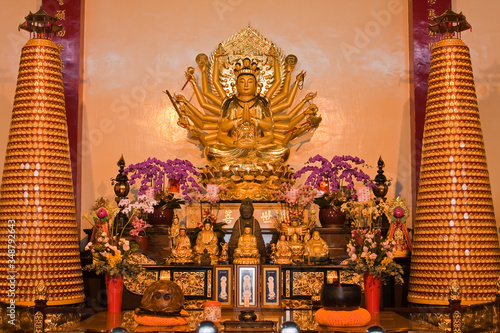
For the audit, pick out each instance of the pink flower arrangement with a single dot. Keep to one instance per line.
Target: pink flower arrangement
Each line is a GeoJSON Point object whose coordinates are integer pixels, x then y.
{"type": "Point", "coordinates": [139, 225]}
{"type": "Point", "coordinates": [369, 253]}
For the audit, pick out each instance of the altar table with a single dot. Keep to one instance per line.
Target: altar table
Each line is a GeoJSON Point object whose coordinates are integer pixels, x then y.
{"type": "Point", "coordinates": [392, 322]}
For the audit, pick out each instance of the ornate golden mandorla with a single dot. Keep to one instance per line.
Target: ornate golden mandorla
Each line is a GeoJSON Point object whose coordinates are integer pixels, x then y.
{"type": "Point", "coordinates": [244, 123]}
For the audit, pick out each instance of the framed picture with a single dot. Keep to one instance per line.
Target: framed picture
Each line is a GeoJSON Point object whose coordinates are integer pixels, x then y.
{"type": "Point", "coordinates": [224, 285]}
{"type": "Point", "coordinates": [247, 286]}
{"type": "Point", "coordinates": [270, 285]}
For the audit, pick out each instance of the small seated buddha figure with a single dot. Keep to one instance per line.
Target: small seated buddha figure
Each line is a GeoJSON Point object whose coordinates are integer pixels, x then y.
{"type": "Point", "coordinates": [182, 253]}
{"type": "Point", "coordinates": [207, 240]}
{"type": "Point", "coordinates": [283, 255]}
{"type": "Point", "coordinates": [316, 249]}
{"type": "Point", "coordinates": [247, 252]}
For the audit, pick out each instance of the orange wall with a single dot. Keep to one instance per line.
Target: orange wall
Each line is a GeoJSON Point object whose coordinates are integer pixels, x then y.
{"type": "Point", "coordinates": [355, 54]}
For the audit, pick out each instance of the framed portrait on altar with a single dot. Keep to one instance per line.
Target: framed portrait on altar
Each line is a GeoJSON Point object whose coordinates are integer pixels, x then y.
{"type": "Point", "coordinates": [270, 286]}
{"type": "Point", "coordinates": [247, 286]}
{"type": "Point", "coordinates": [224, 285]}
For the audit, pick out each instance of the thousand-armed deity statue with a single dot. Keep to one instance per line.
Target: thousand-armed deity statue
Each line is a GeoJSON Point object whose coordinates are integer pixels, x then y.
{"type": "Point", "coordinates": [245, 119]}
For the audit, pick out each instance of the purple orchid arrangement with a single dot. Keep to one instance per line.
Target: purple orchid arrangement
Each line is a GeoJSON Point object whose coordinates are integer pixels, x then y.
{"type": "Point", "coordinates": [153, 172]}
{"type": "Point", "coordinates": [340, 171]}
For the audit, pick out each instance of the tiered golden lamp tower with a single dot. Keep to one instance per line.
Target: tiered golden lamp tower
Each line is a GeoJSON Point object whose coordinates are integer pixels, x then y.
{"type": "Point", "coordinates": [455, 235]}
{"type": "Point", "coordinates": [38, 230]}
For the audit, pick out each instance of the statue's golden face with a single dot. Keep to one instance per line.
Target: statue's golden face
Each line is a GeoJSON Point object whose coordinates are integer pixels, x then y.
{"type": "Point", "coordinates": [246, 85]}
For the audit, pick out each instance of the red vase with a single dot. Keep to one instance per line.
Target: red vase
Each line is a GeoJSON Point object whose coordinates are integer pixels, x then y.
{"type": "Point", "coordinates": [372, 293]}
{"type": "Point", "coordinates": [331, 217]}
{"type": "Point", "coordinates": [114, 292]}
{"type": "Point", "coordinates": [143, 242]}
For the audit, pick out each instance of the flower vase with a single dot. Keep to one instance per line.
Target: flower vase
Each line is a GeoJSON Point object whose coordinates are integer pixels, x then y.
{"type": "Point", "coordinates": [143, 242]}
{"type": "Point", "coordinates": [114, 292]}
{"type": "Point", "coordinates": [161, 217]}
{"type": "Point", "coordinates": [372, 293]}
{"type": "Point", "coordinates": [331, 217]}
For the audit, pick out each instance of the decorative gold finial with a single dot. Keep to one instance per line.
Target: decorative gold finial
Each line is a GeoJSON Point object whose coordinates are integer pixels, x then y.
{"type": "Point", "coordinates": [449, 23]}
{"type": "Point", "coordinates": [41, 291]}
{"type": "Point", "coordinates": [454, 290]}
{"type": "Point", "coordinates": [40, 23]}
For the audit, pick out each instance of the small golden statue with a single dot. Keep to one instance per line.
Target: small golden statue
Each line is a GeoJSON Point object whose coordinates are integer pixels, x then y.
{"type": "Point", "coordinates": [246, 253]}
{"type": "Point", "coordinates": [182, 253]}
{"type": "Point", "coordinates": [454, 288]}
{"type": "Point", "coordinates": [207, 240]}
{"type": "Point", "coordinates": [173, 231]}
{"type": "Point", "coordinates": [297, 247]}
{"type": "Point", "coordinates": [283, 255]}
{"type": "Point", "coordinates": [316, 249]}
{"type": "Point", "coordinates": [244, 125]}
{"type": "Point", "coordinates": [224, 255]}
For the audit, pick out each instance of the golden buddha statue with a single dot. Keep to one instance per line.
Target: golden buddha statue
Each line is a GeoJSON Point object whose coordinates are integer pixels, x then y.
{"type": "Point", "coordinates": [283, 255]}
{"type": "Point", "coordinates": [182, 253]}
{"type": "Point", "coordinates": [243, 124]}
{"type": "Point", "coordinates": [246, 253]}
{"type": "Point", "coordinates": [206, 240]}
{"type": "Point", "coordinates": [316, 249]}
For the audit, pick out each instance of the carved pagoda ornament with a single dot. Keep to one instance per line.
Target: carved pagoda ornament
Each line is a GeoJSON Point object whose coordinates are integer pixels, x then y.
{"type": "Point", "coordinates": [244, 119]}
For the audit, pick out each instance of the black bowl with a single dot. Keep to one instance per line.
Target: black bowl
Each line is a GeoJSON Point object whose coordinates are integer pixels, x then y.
{"type": "Point", "coordinates": [345, 297]}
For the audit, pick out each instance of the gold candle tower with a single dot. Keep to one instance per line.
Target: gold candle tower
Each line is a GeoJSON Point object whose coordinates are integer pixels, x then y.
{"type": "Point", "coordinates": [455, 235]}
{"type": "Point", "coordinates": [38, 229]}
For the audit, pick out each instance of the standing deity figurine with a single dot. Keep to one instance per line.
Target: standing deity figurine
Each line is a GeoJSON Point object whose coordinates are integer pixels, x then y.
{"type": "Point", "coordinates": [398, 230]}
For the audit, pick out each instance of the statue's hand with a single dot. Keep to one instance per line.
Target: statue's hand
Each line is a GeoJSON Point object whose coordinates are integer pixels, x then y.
{"type": "Point", "coordinates": [314, 121]}
{"type": "Point", "coordinates": [180, 98]}
{"type": "Point", "coordinates": [301, 76]}
{"type": "Point", "coordinates": [202, 61]}
{"type": "Point", "coordinates": [272, 52]}
{"type": "Point", "coordinates": [310, 96]}
{"type": "Point", "coordinates": [190, 75]}
{"type": "Point", "coordinates": [182, 122]}
{"type": "Point", "coordinates": [220, 51]}
{"type": "Point", "coordinates": [195, 132]}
